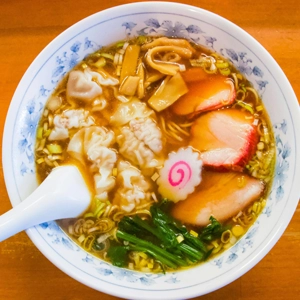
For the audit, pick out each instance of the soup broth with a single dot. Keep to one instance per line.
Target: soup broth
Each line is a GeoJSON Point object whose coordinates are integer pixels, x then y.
{"type": "Point", "coordinates": [175, 145]}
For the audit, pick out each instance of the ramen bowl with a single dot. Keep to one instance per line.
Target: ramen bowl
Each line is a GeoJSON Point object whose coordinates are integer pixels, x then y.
{"type": "Point", "coordinates": [171, 20]}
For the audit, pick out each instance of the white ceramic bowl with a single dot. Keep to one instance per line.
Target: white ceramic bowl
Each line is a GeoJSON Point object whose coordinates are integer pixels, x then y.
{"type": "Point", "coordinates": [168, 19]}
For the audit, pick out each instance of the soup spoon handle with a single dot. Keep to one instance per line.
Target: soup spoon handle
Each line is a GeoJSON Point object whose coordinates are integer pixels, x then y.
{"type": "Point", "coordinates": [63, 194]}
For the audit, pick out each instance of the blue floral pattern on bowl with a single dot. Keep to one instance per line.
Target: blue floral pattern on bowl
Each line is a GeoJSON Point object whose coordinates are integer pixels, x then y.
{"type": "Point", "coordinates": [68, 60]}
{"type": "Point", "coordinates": [72, 52]}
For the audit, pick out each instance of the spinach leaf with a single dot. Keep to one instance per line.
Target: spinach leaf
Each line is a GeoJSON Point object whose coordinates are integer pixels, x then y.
{"type": "Point", "coordinates": [118, 255]}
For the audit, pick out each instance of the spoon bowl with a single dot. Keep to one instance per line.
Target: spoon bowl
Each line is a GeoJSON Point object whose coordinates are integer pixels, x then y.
{"type": "Point", "coordinates": [63, 194]}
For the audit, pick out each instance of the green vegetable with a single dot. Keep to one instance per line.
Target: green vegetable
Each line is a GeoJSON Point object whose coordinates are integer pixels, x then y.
{"type": "Point", "coordinates": [225, 71]}
{"type": "Point", "coordinates": [222, 65]}
{"type": "Point", "coordinates": [107, 55]}
{"type": "Point", "coordinates": [246, 106]}
{"type": "Point", "coordinates": [98, 247]}
{"type": "Point", "coordinates": [54, 148]}
{"type": "Point", "coordinates": [160, 254]}
{"type": "Point", "coordinates": [129, 224]}
{"type": "Point", "coordinates": [118, 256]}
{"type": "Point", "coordinates": [88, 215]}
{"type": "Point", "coordinates": [39, 133]}
{"type": "Point", "coordinates": [165, 239]}
{"type": "Point", "coordinates": [212, 231]}
{"type": "Point", "coordinates": [141, 39]}
{"type": "Point", "coordinates": [120, 44]}
{"type": "Point", "coordinates": [101, 62]}
{"type": "Point", "coordinates": [47, 132]}
{"type": "Point", "coordinates": [166, 223]}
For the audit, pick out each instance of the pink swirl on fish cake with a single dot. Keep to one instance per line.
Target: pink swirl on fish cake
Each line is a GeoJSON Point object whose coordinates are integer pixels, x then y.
{"type": "Point", "coordinates": [182, 168]}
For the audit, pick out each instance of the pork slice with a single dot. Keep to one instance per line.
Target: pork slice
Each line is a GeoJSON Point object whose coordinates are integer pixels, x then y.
{"type": "Point", "coordinates": [226, 138]}
{"type": "Point", "coordinates": [205, 95]}
{"type": "Point", "coordinates": [222, 195]}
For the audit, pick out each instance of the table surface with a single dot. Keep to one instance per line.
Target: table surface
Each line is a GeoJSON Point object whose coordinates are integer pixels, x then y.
{"type": "Point", "coordinates": [26, 27]}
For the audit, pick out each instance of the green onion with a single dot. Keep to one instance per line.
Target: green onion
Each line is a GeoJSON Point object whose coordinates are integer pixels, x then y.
{"type": "Point", "coordinates": [47, 132]}
{"type": "Point", "coordinates": [222, 65]}
{"type": "Point", "coordinates": [40, 160]}
{"type": "Point", "coordinates": [246, 106]}
{"type": "Point", "coordinates": [101, 62]}
{"type": "Point", "coordinates": [141, 39]}
{"type": "Point", "coordinates": [107, 55]}
{"type": "Point", "coordinates": [99, 210]}
{"type": "Point", "coordinates": [243, 88]}
{"type": "Point", "coordinates": [259, 108]}
{"type": "Point", "coordinates": [179, 239]}
{"type": "Point", "coordinates": [225, 71]}
{"type": "Point", "coordinates": [88, 215]}
{"type": "Point", "coordinates": [81, 238]}
{"type": "Point", "coordinates": [39, 132]}
{"type": "Point", "coordinates": [96, 54]}
{"type": "Point", "coordinates": [54, 148]}
{"type": "Point", "coordinates": [120, 44]}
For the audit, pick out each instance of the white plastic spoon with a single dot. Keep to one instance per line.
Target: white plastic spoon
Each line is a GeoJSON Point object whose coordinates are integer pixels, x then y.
{"type": "Point", "coordinates": [63, 194]}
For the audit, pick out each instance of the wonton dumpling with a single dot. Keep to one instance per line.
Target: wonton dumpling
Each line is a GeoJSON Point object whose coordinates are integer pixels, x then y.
{"type": "Point", "coordinates": [74, 118]}
{"type": "Point", "coordinates": [96, 137]}
{"type": "Point", "coordinates": [85, 142]}
{"type": "Point", "coordinates": [104, 160]}
{"type": "Point", "coordinates": [146, 130]}
{"type": "Point", "coordinates": [141, 143]}
{"type": "Point", "coordinates": [86, 85]}
{"type": "Point", "coordinates": [92, 144]}
{"type": "Point", "coordinates": [126, 112]}
{"type": "Point", "coordinates": [59, 133]}
{"type": "Point", "coordinates": [134, 189]}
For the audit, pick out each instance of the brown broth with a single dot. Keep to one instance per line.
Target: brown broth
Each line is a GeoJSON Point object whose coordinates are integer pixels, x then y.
{"type": "Point", "coordinates": [245, 218]}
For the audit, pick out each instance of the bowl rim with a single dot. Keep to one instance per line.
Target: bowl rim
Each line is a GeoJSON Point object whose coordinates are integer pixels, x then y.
{"type": "Point", "coordinates": [81, 26]}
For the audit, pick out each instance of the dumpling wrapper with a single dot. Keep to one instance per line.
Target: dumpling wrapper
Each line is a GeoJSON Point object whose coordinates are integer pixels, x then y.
{"type": "Point", "coordinates": [86, 85]}
{"type": "Point", "coordinates": [73, 118]}
{"type": "Point", "coordinates": [125, 112]}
